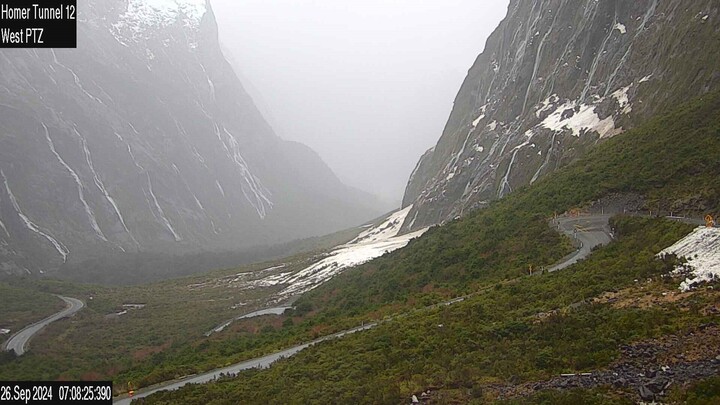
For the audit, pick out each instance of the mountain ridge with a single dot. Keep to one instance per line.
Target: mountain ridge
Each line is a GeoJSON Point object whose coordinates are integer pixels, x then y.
{"type": "Point", "coordinates": [555, 78]}
{"type": "Point", "coordinates": [143, 139]}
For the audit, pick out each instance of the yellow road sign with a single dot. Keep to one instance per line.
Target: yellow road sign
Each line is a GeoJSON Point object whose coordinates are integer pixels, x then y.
{"type": "Point", "coordinates": [581, 228]}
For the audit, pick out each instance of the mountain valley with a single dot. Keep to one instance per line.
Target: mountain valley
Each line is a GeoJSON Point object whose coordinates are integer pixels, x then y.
{"type": "Point", "coordinates": [558, 245]}
{"type": "Point", "coordinates": [143, 141]}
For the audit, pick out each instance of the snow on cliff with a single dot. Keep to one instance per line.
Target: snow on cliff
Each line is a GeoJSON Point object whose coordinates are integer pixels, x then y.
{"type": "Point", "coordinates": [142, 15]}
{"type": "Point", "coordinates": [578, 117]}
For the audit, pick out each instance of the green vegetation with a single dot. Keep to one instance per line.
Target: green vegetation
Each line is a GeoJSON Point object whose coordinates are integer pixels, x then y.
{"type": "Point", "coordinates": [571, 397]}
{"type": "Point", "coordinates": [672, 160]}
{"type": "Point", "coordinates": [20, 307]}
{"type": "Point", "coordinates": [514, 329]}
{"type": "Point", "coordinates": [706, 392]}
{"type": "Point", "coordinates": [98, 344]}
{"type": "Point", "coordinates": [529, 329]}
{"type": "Point", "coordinates": [498, 335]}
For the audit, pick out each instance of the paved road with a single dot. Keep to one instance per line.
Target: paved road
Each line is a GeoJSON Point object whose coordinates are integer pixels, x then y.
{"type": "Point", "coordinates": [588, 231]}
{"type": "Point", "coordinates": [19, 341]}
{"type": "Point", "coordinates": [261, 362]}
{"type": "Point", "coordinates": [261, 312]}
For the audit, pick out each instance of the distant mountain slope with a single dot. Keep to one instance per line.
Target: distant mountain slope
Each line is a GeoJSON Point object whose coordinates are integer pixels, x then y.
{"type": "Point", "coordinates": [143, 139]}
{"type": "Point", "coordinates": [650, 161]}
{"type": "Point", "coordinates": [555, 78]}
{"type": "Point", "coordinates": [513, 330]}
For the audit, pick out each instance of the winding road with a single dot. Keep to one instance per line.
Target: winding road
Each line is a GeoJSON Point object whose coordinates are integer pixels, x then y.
{"type": "Point", "coordinates": [261, 362]}
{"type": "Point", "coordinates": [590, 231]}
{"type": "Point", "coordinates": [587, 231]}
{"type": "Point", "coordinates": [19, 341]}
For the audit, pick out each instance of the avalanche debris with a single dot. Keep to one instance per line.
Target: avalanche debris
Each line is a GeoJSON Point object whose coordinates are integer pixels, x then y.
{"type": "Point", "coordinates": [702, 250]}
{"type": "Point", "coordinates": [369, 245]}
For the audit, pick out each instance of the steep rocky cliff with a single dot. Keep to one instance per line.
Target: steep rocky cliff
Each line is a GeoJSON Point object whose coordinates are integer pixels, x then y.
{"type": "Point", "coordinates": [143, 139]}
{"type": "Point", "coordinates": [555, 78]}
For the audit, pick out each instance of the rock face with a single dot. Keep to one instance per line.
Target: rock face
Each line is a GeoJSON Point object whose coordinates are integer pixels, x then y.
{"type": "Point", "coordinates": [645, 370]}
{"type": "Point", "coordinates": [555, 78]}
{"type": "Point", "coordinates": [143, 139]}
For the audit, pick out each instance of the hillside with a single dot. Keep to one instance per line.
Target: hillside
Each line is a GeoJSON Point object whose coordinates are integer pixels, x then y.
{"type": "Point", "coordinates": [670, 162]}
{"type": "Point", "coordinates": [555, 79]}
{"type": "Point", "coordinates": [519, 332]}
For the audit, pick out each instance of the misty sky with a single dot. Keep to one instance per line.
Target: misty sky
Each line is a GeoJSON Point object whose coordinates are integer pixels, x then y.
{"type": "Point", "coordinates": [368, 84]}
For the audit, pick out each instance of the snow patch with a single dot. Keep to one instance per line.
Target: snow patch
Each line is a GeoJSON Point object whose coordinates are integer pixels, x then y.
{"type": "Point", "coordinates": [546, 105]}
{"type": "Point", "coordinates": [646, 79]}
{"type": "Point", "coordinates": [342, 258]}
{"type": "Point", "coordinates": [477, 120]}
{"type": "Point", "coordinates": [142, 15]}
{"type": "Point", "coordinates": [620, 27]}
{"type": "Point", "coordinates": [702, 250]}
{"type": "Point", "coordinates": [621, 95]}
{"type": "Point", "coordinates": [480, 117]}
{"type": "Point", "coordinates": [368, 245]}
{"type": "Point", "coordinates": [578, 118]}
{"type": "Point", "coordinates": [387, 229]}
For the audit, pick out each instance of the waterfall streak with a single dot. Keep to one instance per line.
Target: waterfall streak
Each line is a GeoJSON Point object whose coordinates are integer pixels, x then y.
{"type": "Point", "coordinates": [101, 186]}
{"type": "Point", "coordinates": [61, 249]}
{"type": "Point", "coordinates": [80, 187]}
{"type": "Point", "coordinates": [161, 212]}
